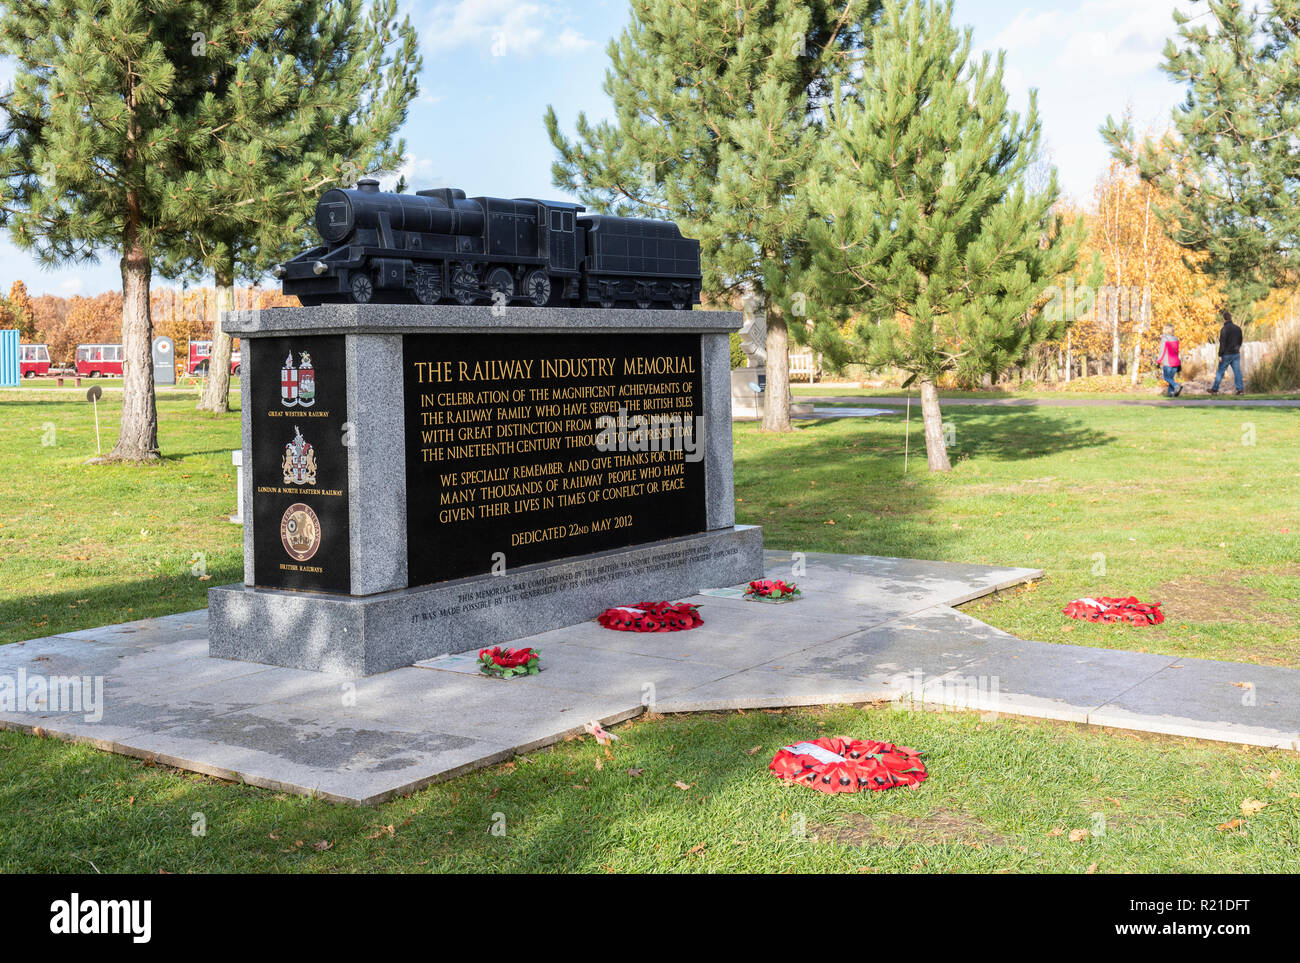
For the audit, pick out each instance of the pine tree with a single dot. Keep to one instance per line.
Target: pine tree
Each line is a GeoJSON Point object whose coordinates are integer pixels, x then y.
{"type": "Point", "coordinates": [926, 228]}
{"type": "Point", "coordinates": [1230, 171]}
{"type": "Point", "coordinates": [314, 94]}
{"type": "Point", "coordinates": [117, 112]}
{"type": "Point", "coordinates": [717, 108]}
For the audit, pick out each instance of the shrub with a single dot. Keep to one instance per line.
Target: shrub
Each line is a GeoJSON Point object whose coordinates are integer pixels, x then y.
{"type": "Point", "coordinates": [1280, 368]}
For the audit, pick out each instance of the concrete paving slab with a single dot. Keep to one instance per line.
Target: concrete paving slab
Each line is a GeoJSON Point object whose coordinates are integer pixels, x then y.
{"type": "Point", "coordinates": [522, 711]}
{"type": "Point", "coordinates": [286, 748]}
{"type": "Point", "coordinates": [1205, 699]}
{"type": "Point", "coordinates": [628, 677]}
{"type": "Point", "coordinates": [725, 639]}
{"type": "Point", "coordinates": [868, 629]}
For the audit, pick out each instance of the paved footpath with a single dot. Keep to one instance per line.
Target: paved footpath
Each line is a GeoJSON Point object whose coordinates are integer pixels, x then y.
{"type": "Point", "coordinates": [1155, 402]}
{"type": "Point", "coordinates": [868, 629]}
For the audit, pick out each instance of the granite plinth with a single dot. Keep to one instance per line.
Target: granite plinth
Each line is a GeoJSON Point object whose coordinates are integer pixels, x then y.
{"type": "Point", "coordinates": [384, 617]}
{"type": "Point", "coordinates": [359, 636]}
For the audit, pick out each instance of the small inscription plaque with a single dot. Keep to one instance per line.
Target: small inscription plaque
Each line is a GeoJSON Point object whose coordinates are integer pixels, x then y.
{"type": "Point", "coordinates": [528, 448]}
{"type": "Point", "coordinates": [298, 408]}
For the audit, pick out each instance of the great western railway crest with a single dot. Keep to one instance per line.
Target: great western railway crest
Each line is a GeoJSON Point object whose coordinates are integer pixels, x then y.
{"type": "Point", "coordinates": [298, 384]}
{"type": "Point", "coordinates": [299, 462]}
{"type": "Point", "coordinates": [300, 532]}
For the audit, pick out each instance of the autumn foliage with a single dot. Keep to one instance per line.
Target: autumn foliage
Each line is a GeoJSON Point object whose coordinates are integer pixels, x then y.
{"type": "Point", "coordinates": [183, 315]}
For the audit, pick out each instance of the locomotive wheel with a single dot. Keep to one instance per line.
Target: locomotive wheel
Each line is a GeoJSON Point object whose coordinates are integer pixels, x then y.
{"type": "Point", "coordinates": [501, 283]}
{"type": "Point", "coordinates": [537, 286]}
{"type": "Point", "coordinates": [464, 286]}
{"type": "Point", "coordinates": [428, 287]}
{"type": "Point", "coordinates": [363, 289]}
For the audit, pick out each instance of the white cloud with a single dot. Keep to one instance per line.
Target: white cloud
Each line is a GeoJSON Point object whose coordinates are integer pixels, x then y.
{"type": "Point", "coordinates": [1115, 38]}
{"type": "Point", "coordinates": [70, 285]}
{"type": "Point", "coordinates": [502, 28]}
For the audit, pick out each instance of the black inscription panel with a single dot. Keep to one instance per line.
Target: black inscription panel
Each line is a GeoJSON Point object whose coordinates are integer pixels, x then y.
{"type": "Point", "coordinates": [298, 400]}
{"type": "Point", "coordinates": [527, 448]}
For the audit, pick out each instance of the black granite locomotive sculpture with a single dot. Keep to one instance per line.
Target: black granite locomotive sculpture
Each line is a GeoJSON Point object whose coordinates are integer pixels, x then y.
{"type": "Point", "coordinates": [440, 246]}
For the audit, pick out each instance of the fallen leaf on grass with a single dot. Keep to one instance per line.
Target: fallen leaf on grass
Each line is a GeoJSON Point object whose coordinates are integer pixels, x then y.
{"type": "Point", "coordinates": [1092, 868]}
{"type": "Point", "coordinates": [321, 846]}
{"type": "Point", "coordinates": [750, 752]}
{"type": "Point", "coordinates": [697, 848]}
{"type": "Point", "coordinates": [635, 772]}
{"type": "Point", "coordinates": [1251, 806]}
{"type": "Point", "coordinates": [1233, 824]}
{"type": "Point", "coordinates": [388, 830]}
{"type": "Point", "coordinates": [1056, 831]}
{"type": "Point", "coordinates": [1078, 835]}
{"type": "Point", "coordinates": [682, 785]}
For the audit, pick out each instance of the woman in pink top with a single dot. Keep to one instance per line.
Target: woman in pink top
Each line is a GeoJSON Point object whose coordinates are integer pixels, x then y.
{"type": "Point", "coordinates": [1168, 361]}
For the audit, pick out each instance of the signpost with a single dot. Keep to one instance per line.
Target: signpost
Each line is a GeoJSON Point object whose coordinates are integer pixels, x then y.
{"type": "Point", "coordinates": [93, 396]}
{"type": "Point", "coordinates": [164, 361]}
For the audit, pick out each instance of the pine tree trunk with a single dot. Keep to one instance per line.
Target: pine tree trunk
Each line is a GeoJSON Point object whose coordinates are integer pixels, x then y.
{"type": "Point", "coordinates": [216, 390]}
{"type": "Point", "coordinates": [936, 452]}
{"type": "Point", "coordinates": [776, 406]}
{"type": "Point", "coordinates": [138, 437]}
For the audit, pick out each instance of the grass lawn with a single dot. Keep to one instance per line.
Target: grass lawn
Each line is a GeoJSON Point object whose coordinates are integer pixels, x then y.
{"type": "Point", "coordinates": [1195, 507]}
{"type": "Point", "coordinates": [82, 546]}
{"type": "Point", "coordinates": [1150, 390]}
{"type": "Point", "coordinates": [1001, 796]}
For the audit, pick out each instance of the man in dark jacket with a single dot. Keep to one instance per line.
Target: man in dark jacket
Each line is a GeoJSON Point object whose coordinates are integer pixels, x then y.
{"type": "Point", "coordinates": [1229, 353]}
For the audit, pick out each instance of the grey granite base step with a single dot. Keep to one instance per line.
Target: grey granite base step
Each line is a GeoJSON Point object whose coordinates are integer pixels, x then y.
{"type": "Point", "coordinates": [359, 636]}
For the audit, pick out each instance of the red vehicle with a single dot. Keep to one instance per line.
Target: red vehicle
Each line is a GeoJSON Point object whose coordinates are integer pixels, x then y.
{"type": "Point", "coordinates": [200, 351]}
{"type": "Point", "coordinates": [99, 360]}
{"type": "Point", "coordinates": [34, 360]}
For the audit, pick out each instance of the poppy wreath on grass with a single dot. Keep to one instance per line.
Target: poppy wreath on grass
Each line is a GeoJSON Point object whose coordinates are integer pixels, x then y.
{"type": "Point", "coordinates": [652, 617]}
{"type": "Point", "coordinates": [508, 663]}
{"type": "Point", "coordinates": [772, 590]}
{"type": "Point", "coordinates": [848, 765]}
{"type": "Point", "coordinates": [1104, 609]}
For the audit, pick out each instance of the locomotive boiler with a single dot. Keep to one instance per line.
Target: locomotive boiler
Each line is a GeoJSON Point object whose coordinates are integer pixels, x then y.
{"type": "Point", "coordinates": [438, 246]}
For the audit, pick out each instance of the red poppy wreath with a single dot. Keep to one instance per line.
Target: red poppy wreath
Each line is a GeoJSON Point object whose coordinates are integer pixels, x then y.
{"type": "Point", "coordinates": [1105, 609]}
{"type": "Point", "coordinates": [848, 765]}
{"type": "Point", "coordinates": [651, 617]}
{"type": "Point", "coordinates": [508, 663]}
{"type": "Point", "coordinates": [772, 590]}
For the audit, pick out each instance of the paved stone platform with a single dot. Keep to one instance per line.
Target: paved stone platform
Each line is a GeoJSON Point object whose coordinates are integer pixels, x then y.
{"type": "Point", "coordinates": [869, 629]}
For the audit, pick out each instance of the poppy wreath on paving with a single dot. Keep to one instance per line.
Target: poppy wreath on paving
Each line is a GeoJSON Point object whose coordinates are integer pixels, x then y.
{"type": "Point", "coordinates": [651, 617]}
{"type": "Point", "coordinates": [508, 663]}
{"type": "Point", "coordinates": [772, 590]}
{"type": "Point", "coordinates": [1105, 609]}
{"type": "Point", "coordinates": [848, 765]}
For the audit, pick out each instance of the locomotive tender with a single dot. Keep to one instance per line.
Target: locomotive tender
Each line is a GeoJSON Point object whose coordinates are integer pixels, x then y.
{"type": "Point", "coordinates": [438, 246]}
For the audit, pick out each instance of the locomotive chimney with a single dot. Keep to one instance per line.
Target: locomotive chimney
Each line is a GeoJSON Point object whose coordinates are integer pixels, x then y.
{"type": "Point", "coordinates": [369, 185]}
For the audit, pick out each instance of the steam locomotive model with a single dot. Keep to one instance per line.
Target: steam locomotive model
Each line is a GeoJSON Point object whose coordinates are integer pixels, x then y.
{"type": "Point", "coordinates": [438, 246]}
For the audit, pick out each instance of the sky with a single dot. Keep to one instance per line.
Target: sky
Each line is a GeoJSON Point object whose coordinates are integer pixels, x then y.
{"type": "Point", "coordinates": [491, 67]}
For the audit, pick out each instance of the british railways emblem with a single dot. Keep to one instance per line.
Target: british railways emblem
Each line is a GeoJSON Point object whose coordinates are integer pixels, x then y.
{"type": "Point", "coordinates": [300, 532]}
